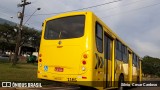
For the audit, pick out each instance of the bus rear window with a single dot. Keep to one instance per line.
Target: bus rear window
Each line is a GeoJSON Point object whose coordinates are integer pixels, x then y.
{"type": "Point", "coordinates": [65, 27]}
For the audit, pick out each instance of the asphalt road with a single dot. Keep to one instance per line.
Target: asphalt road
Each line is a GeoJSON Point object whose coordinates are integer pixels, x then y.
{"type": "Point", "coordinates": [51, 87]}
{"type": "Point", "coordinates": [146, 88]}
{"type": "Point", "coordinates": [75, 88]}
{"type": "Point", "coordinates": [44, 88]}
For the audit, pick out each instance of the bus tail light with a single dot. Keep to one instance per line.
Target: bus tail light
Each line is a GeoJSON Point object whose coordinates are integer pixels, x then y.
{"type": "Point", "coordinates": [83, 62]}
{"type": "Point", "coordinates": [38, 71]}
{"type": "Point", "coordinates": [40, 60]}
{"type": "Point", "coordinates": [85, 56]}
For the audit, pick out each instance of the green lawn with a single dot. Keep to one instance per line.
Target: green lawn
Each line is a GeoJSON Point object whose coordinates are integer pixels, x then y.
{"type": "Point", "coordinates": [21, 72]}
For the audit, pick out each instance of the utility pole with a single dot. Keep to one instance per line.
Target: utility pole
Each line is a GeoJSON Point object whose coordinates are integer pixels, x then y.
{"type": "Point", "coordinates": [18, 41]}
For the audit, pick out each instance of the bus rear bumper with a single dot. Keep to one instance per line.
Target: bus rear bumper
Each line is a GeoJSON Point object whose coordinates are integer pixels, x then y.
{"type": "Point", "coordinates": [74, 79]}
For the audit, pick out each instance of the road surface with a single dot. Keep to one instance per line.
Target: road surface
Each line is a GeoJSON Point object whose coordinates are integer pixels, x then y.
{"type": "Point", "coordinates": [74, 88]}
{"type": "Point", "coordinates": [146, 88]}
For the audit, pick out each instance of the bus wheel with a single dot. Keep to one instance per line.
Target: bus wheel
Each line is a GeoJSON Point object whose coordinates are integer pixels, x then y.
{"type": "Point", "coordinates": [138, 80]}
{"type": "Point", "coordinates": [121, 80]}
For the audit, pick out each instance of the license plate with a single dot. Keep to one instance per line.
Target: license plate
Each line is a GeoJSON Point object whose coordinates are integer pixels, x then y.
{"type": "Point", "coordinates": [58, 69]}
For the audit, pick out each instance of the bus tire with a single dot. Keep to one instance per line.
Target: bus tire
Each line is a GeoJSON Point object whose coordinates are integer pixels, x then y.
{"type": "Point", "coordinates": [121, 80]}
{"type": "Point", "coordinates": [138, 80]}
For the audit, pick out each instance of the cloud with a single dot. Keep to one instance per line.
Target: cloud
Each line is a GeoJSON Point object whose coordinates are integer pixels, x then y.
{"type": "Point", "coordinates": [147, 48]}
{"type": "Point", "coordinates": [154, 34]}
{"type": "Point", "coordinates": [137, 27]}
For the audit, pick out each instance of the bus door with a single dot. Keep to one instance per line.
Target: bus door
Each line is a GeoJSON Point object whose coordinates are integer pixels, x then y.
{"type": "Point", "coordinates": [108, 57]}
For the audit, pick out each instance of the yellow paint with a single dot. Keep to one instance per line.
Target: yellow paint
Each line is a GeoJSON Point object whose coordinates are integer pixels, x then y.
{"type": "Point", "coordinates": [113, 63]}
{"type": "Point", "coordinates": [69, 56]}
{"type": "Point", "coordinates": [140, 72]}
{"type": "Point", "coordinates": [130, 67]}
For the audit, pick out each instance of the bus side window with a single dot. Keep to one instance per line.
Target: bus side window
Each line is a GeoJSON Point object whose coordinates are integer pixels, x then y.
{"type": "Point", "coordinates": [118, 50]}
{"type": "Point", "coordinates": [107, 47]}
{"type": "Point", "coordinates": [99, 37]}
{"type": "Point", "coordinates": [124, 53]}
{"type": "Point", "coordinates": [134, 59]}
{"type": "Point", "coordinates": [138, 62]}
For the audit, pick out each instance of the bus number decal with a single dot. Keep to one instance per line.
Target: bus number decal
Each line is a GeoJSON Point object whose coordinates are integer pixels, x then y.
{"type": "Point", "coordinates": [99, 61]}
{"type": "Point", "coordinates": [72, 79]}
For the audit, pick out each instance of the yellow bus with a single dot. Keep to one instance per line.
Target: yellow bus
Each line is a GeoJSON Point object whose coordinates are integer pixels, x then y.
{"type": "Point", "coordinates": [78, 48]}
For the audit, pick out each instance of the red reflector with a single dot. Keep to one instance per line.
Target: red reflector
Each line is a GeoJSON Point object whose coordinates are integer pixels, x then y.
{"type": "Point", "coordinates": [40, 60]}
{"type": "Point", "coordinates": [84, 77]}
{"type": "Point", "coordinates": [83, 62]}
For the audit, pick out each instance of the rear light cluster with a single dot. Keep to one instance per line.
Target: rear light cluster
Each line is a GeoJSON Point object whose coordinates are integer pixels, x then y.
{"type": "Point", "coordinates": [40, 55]}
{"type": "Point", "coordinates": [85, 56]}
{"type": "Point", "coordinates": [84, 62]}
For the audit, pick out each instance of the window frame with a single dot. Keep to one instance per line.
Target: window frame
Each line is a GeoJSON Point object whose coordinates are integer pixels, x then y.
{"type": "Point", "coordinates": [97, 37]}
{"type": "Point", "coordinates": [134, 59]}
{"type": "Point", "coordinates": [46, 31]}
{"type": "Point", "coordinates": [119, 54]}
{"type": "Point", "coordinates": [124, 53]}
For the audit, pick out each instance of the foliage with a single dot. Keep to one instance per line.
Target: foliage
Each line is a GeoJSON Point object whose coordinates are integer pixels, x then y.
{"type": "Point", "coordinates": [30, 37]}
{"type": "Point", "coordinates": [7, 37]}
{"type": "Point", "coordinates": [6, 46]}
{"type": "Point", "coordinates": [151, 65]}
{"type": "Point", "coordinates": [7, 32]}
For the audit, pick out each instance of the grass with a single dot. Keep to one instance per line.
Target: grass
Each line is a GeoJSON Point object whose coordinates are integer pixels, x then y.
{"type": "Point", "coordinates": [21, 72]}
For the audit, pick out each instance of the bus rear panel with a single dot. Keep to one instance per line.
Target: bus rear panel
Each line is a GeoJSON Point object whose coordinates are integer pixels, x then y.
{"type": "Point", "coordinates": [65, 50]}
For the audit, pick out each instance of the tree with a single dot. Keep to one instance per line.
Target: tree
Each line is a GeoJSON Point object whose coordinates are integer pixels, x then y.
{"type": "Point", "coordinates": [35, 40]}
{"type": "Point", "coordinates": [7, 33]}
{"type": "Point", "coordinates": [30, 37]}
{"type": "Point", "coordinates": [7, 38]}
{"type": "Point", "coordinates": [151, 65]}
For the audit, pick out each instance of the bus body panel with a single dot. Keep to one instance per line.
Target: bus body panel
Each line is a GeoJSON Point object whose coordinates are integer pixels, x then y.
{"type": "Point", "coordinates": [68, 55]}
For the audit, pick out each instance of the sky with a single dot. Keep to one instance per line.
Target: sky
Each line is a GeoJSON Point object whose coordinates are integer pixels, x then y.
{"type": "Point", "coordinates": [137, 22]}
